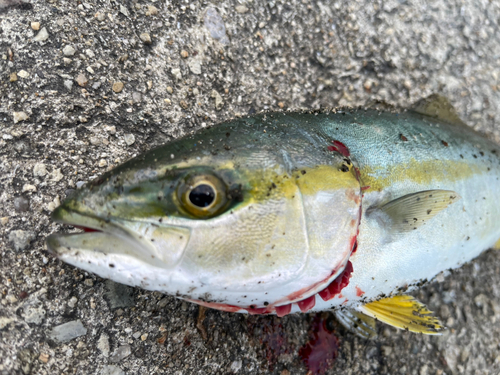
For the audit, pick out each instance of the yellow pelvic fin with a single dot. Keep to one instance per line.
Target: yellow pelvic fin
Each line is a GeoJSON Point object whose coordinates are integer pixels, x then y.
{"type": "Point", "coordinates": [404, 312]}
{"type": "Point", "coordinates": [413, 210]}
{"type": "Point", "coordinates": [439, 107]}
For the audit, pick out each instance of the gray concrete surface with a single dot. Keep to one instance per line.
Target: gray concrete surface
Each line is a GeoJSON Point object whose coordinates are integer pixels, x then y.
{"type": "Point", "coordinates": [85, 85]}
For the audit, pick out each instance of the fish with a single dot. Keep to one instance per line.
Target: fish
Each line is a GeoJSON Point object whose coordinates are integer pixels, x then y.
{"type": "Point", "coordinates": [344, 210]}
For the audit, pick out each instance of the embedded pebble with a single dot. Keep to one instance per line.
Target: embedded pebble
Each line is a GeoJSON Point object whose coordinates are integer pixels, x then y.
{"type": "Point", "coordinates": [129, 139]}
{"type": "Point", "coordinates": [118, 295]}
{"type": "Point", "coordinates": [100, 16]}
{"type": "Point", "coordinates": [19, 116]}
{"type": "Point", "coordinates": [215, 25]}
{"type": "Point", "coordinates": [21, 204]}
{"type": "Point", "coordinates": [218, 99]}
{"type": "Point", "coordinates": [67, 331]}
{"type": "Point", "coordinates": [68, 84]}
{"type": "Point", "coordinates": [21, 239]}
{"type": "Point", "coordinates": [39, 170]}
{"type": "Point", "coordinates": [81, 80]}
{"type": "Point", "coordinates": [42, 35]}
{"type": "Point", "coordinates": [241, 9]}
{"type": "Point", "coordinates": [152, 10]}
{"type": "Point", "coordinates": [4, 322]}
{"type": "Point", "coordinates": [79, 184]}
{"type": "Point", "coordinates": [236, 366]}
{"type": "Point", "coordinates": [111, 370]}
{"type": "Point", "coordinates": [184, 54]}
{"type": "Point", "coordinates": [170, 89]}
{"type": "Point", "coordinates": [35, 25]}
{"type": "Point", "coordinates": [29, 187]}
{"type": "Point", "coordinates": [4, 220]}
{"type": "Point", "coordinates": [56, 175]}
{"type": "Point", "coordinates": [146, 38]}
{"type": "Point", "coordinates": [69, 51]}
{"type": "Point", "coordinates": [118, 86]}
{"type": "Point", "coordinates": [34, 313]}
{"type": "Point", "coordinates": [124, 11]}
{"type": "Point", "coordinates": [72, 302]}
{"type": "Point", "coordinates": [103, 344]}
{"type": "Point", "coordinates": [102, 163]}
{"type": "Point", "coordinates": [195, 66]}
{"type": "Point", "coordinates": [13, 77]}
{"type": "Point", "coordinates": [120, 353]}
{"type": "Point", "coordinates": [23, 74]}
{"type": "Point", "coordinates": [136, 97]}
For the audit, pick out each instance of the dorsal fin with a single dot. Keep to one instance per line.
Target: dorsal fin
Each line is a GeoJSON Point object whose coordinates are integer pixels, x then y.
{"type": "Point", "coordinates": [355, 321]}
{"type": "Point", "coordinates": [439, 107]}
{"type": "Point", "coordinates": [404, 312]}
{"type": "Point", "coordinates": [411, 211]}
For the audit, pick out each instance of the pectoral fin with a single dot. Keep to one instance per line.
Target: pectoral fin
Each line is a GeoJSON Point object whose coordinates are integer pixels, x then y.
{"type": "Point", "coordinates": [404, 312]}
{"type": "Point", "coordinates": [411, 211]}
{"type": "Point", "coordinates": [357, 322]}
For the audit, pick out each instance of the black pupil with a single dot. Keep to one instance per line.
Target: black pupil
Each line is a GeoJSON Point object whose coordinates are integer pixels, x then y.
{"type": "Point", "coordinates": [202, 195]}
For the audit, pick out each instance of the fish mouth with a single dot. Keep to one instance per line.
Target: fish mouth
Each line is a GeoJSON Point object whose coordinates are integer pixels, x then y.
{"type": "Point", "coordinates": [115, 241]}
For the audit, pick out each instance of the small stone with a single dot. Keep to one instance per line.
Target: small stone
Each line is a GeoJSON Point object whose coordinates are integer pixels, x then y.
{"type": "Point", "coordinates": [184, 104]}
{"type": "Point", "coordinates": [44, 357]}
{"type": "Point", "coordinates": [35, 25]}
{"type": "Point", "coordinates": [118, 295]}
{"type": "Point", "coordinates": [42, 36]}
{"type": "Point", "coordinates": [100, 16]}
{"type": "Point", "coordinates": [21, 204]}
{"type": "Point", "coordinates": [19, 116]}
{"type": "Point", "coordinates": [39, 170]}
{"type": "Point", "coordinates": [67, 331]}
{"type": "Point", "coordinates": [136, 335]}
{"type": "Point", "coordinates": [68, 84]}
{"type": "Point", "coordinates": [11, 299]}
{"type": "Point", "coordinates": [152, 10]}
{"type": "Point", "coordinates": [13, 77]}
{"type": "Point", "coordinates": [146, 38]}
{"type": "Point", "coordinates": [144, 337]}
{"type": "Point", "coordinates": [176, 72]}
{"type": "Point", "coordinates": [120, 353]}
{"type": "Point", "coordinates": [184, 54]}
{"type": "Point", "coordinates": [129, 139]}
{"type": "Point", "coordinates": [72, 302]}
{"type": "Point", "coordinates": [218, 99]}
{"type": "Point", "coordinates": [68, 51]}
{"type": "Point", "coordinates": [236, 366]}
{"type": "Point", "coordinates": [118, 86]}
{"type": "Point", "coordinates": [67, 61]}
{"type": "Point", "coordinates": [88, 282]}
{"type": "Point", "coordinates": [56, 175]}
{"type": "Point", "coordinates": [170, 90]}
{"type": "Point", "coordinates": [195, 66]}
{"type": "Point", "coordinates": [241, 9]}
{"type": "Point", "coordinates": [136, 97]}
{"type": "Point", "coordinates": [23, 74]}
{"type": "Point", "coordinates": [29, 187]}
{"type": "Point", "coordinates": [167, 101]}
{"type": "Point", "coordinates": [81, 80]}
{"type": "Point", "coordinates": [102, 163]}
{"type": "Point", "coordinates": [281, 104]}
{"type": "Point", "coordinates": [103, 344]}
{"type": "Point", "coordinates": [34, 314]}
{"type": "Point", "coordinates": [215, 25]}
{"type": "Point", "coordinates": [110, 129]}
{"type": "Point", "coordinates": [368, 85]}
{"type": "Point", "coordinates": [124, 11]}
{"type": "Point", "coordinates": [4, 220]}
{"type": "Point", "coordinates": [111, 370]}
{"type": "Point", "coordinates": [5, 321]}
{"type": "Point", "coordinates": [21, 239]}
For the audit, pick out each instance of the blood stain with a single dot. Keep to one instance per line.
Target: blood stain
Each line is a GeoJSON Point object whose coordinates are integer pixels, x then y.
{"type": "Point", "coordinates": [359, 292]}
{"type": "Point", "coordinates": [270, 333]}
{"type": "Point", "coordinates": [320, 352]}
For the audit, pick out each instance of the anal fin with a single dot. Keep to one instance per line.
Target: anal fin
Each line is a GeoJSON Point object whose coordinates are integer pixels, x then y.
{"type": "Point", "coordinates": [404, 312]}
{"type": "Point", "coordinates": [355, 321]}
{"type": "Point", "coordinates": [411, 211]}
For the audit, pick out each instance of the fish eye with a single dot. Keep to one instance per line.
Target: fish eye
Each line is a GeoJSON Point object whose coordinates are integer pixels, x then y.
{"type": "Point", "coordinates": [202, 196]}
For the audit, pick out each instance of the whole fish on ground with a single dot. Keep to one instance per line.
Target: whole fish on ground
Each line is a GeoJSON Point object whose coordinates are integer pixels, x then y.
{"type": "Point", "coordinates": [294, 212]}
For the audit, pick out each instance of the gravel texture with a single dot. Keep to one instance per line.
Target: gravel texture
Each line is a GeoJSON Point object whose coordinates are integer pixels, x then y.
{"type": "Point", "coordinates": [86, 85]}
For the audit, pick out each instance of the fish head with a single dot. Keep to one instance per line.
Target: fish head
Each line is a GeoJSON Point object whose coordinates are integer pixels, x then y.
{"type": "Point", "coordinates": [228, 222]}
